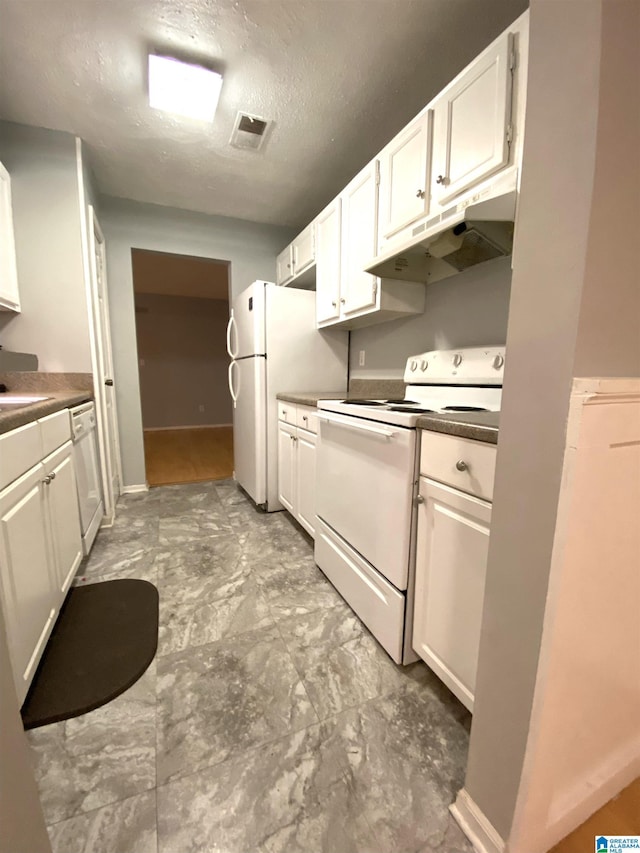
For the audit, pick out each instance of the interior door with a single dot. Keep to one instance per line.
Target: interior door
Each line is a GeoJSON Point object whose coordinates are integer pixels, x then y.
{"type": "Point", "coordinates": [106, 411]}
{"type": "Point", "coordinates": [359, 290]}
{"type": "Point", "coordinates": [470, 139]}
{"type": "Point", "coordinates": [248, 328]}
{"type": "Point", "coordinates": [249, 380]}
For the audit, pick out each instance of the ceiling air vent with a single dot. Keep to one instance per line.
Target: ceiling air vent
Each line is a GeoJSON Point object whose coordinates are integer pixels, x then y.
{"type": "Point", "coordinates": [249, 132]}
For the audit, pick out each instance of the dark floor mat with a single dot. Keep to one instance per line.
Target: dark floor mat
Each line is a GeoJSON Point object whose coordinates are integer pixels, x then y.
{"type": "Point", "coordinates": [105, 638]}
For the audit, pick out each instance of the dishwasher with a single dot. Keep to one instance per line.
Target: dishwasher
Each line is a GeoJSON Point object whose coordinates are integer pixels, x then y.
{"type": "Point", "coordinates": [87, 466]}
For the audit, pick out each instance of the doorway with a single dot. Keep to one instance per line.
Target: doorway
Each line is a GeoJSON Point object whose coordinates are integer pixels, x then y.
{"type": "Point", "coordinates": [182, 310]}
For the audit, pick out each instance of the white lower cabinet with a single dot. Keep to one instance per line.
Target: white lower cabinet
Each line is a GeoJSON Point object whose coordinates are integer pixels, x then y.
{"type": "Point", "coordinates": [40, 551]}
{"type": "Point", "coordinates": [451, 564]}
{"type": "Point", "coordinates": [297, 463]}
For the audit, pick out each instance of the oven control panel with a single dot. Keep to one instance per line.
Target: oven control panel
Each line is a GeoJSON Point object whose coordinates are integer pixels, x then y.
{"type": "Point", "coordinates": [466, 366]}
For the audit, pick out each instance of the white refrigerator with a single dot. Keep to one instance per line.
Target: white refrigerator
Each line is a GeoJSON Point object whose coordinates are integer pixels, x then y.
{"type": "Point", "coordinates": [275, 347]}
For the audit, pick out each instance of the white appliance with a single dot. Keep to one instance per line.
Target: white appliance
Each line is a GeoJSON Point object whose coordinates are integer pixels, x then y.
{"type": "Point", "coordinates": [367, 476]}
{"type": "Point", "coordinates": [87, 467]}
{"type": "Point", "coordinates": [275, 347]}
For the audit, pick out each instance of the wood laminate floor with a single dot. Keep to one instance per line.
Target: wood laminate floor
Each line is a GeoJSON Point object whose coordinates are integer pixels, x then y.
{"type": "Point", "coordinates": [620, 816]}
{"type": "Point", "coordinates": [188, 455]}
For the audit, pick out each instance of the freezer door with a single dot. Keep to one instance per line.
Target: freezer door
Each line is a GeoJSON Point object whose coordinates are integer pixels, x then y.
{"type": "Point", "coordinates": [247, 329]}
{"type": "Point", "coordinates": [250, 426]}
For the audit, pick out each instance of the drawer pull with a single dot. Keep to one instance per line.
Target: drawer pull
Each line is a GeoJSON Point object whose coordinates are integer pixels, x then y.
{"type": "Point", "coordinates": [461, 465]}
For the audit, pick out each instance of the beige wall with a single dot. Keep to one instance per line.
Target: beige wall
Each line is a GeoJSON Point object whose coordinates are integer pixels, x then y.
{"type": "Point", "coordinates": [558, 292]}
{"type": "Point", "coordinates": [183, 360]}
{"type": "Point", "coordinates": [584, 738]}
{"type": "Point", "coordinates": [22, 828]}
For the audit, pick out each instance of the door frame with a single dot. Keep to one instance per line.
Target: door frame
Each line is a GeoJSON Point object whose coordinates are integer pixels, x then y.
{"type": "Point", "coordinates": [103, 354]}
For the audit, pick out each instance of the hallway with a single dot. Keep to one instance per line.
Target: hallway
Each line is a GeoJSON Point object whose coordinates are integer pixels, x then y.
{"type": "Point", "coordinates": [175, 456]}
{"type": "Point", "coordinates": [270, 721]}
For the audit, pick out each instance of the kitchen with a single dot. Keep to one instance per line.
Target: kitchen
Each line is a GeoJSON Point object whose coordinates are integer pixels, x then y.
{"type": "Point", "coordinates": [567, 317]}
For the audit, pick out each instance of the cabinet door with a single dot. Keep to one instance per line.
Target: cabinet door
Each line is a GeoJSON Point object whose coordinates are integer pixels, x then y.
{"type": "Point", "coordinates": [303, 249]}
{"type": "Point", "coordinates": [451, 563]}
{"type": "Point", "coordinates": [9, 297]}
{"type": "Point", "coordinates": [404, 176]}
{"type": "Point", "coordinates": [26, 574]}
{"type": "Point", "coordinates": [306, 480]}
{"type": "Point", "coordinates": [328, 263]}
{"type": "Point", "coordinates": [64, 516]}
{"type": "Point", "coordinates": [286, 466]}
{"type": "Point", "coordinates": [471, 121]}
{"type": "Point", "coordinates": [358, 289]}
{"type": "Point", "coordinates": [284, 266]}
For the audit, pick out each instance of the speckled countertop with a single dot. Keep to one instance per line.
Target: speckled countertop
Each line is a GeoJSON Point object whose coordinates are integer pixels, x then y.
{"type": "Point", "coordinates": [56, 400]}
{"type": "Point", "coordinates": [374, 389]}
{"type": "Point", "coordinates": [481, 426]}
{"type": "Point", "coordinates": [61, 390]}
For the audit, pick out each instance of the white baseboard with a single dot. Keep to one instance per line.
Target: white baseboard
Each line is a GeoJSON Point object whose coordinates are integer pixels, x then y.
{"type": "Point", "coordinates": [134, 490]}
{"type": "Point", "coordinates": [187, 426]}
{"type": "Point", "coordinates": [474, 824]}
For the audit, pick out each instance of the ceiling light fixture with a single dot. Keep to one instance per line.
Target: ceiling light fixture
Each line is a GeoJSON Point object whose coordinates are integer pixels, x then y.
{"type": "Point", "coordinates": [183, 89]}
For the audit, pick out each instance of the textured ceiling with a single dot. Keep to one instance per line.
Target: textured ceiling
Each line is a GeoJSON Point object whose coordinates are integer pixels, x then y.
{"type": "Point", "coordinates": [179, 275]}
{"type": "Point", "coordinates": [337, 77]}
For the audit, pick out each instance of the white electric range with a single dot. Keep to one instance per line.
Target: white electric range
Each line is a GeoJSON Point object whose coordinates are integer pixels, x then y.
{"type": "Point", "coordinates": [367, 478]}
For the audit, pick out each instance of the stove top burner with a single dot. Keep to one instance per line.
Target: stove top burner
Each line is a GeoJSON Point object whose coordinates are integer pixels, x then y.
{"type": "Point", "coordinates": [464, 409]}
{"type": "Point", "coordinates": [363, 402]}
{"type": "Point", "coordinates": [411, 409]}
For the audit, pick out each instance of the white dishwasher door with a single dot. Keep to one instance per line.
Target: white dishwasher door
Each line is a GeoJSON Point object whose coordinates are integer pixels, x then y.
{"type": "Point", "coordinates": [365, 489]}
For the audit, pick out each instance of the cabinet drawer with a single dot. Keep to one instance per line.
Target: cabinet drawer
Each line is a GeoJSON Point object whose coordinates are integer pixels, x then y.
{"type": "Point", "coordinates": [55, 429]}
{"type": "Point", "coordinates": [20, 450]}
{"type": "Point", "coordinates": [307, 418]}
{"type": "Point", "coordinates": [377, 603]}
{"type": "Point", "coordinates": [287, 412]}
{"type": "Point", "coordinates": [440, 456]}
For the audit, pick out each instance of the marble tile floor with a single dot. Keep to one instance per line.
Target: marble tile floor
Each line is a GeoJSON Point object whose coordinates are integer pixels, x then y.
{"type": "Point", "coordinates": [270, 721]}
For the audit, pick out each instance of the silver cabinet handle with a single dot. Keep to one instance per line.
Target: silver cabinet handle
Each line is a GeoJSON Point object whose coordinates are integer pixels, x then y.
{"type": "Point", "coordinates": [420, 194]}
{"type": "Point", "coordinates": [47, 480]}
{"type": "Point", "coordinates": [305, 418]}
{"type": "Point", "coordinates": [343, 300]}
{"type": "Point", "coordinates": [335, 304]}
{"type": "Point", "coordinates": [53, 475]}
{"type": "Point", "coordinates": [461, 465]}
{"type": "Point", "coordinates": [419, 499]}
{"type": "Point", "coordinates": [441, 179]}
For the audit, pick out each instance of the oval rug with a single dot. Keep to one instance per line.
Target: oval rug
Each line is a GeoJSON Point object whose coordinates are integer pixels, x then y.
{"type": "Point", "coordinates": [105, 638]}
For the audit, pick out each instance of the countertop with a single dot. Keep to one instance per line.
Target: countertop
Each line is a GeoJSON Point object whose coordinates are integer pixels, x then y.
{"type": "Point", "coordinates": [310, 398]}
{"type": "Point", "coordinates": [370, 389]}
{"type": "Point", "coordinates": [17, 417]}
{"type": "Point", "coordinates": [481, 426]}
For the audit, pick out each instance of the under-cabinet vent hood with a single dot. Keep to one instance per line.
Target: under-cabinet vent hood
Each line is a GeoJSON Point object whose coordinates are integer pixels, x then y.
{"type": "Point", "coordinates": [477, 229]}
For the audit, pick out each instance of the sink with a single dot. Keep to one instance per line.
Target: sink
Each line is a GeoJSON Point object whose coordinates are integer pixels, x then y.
{"type": "Point", "coordinates": [18, 401]}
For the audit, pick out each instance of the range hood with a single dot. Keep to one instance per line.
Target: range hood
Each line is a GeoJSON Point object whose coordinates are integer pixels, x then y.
{"type": "Point", "coordinates": [477, 229]}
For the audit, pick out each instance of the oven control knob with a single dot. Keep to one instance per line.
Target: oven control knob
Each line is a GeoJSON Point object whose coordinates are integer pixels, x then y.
{"type": "Point", "coordinates": [498, 361]}
{"type": "Point", "coordinates": [424, 364]}
{"type": "Point", "coordinates": [414, 365]}
{"type": "Point", "coordinates": [457, 360]}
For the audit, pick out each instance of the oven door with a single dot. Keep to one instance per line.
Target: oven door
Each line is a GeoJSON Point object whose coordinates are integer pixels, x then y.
{"type": "Point", "coordinates": [365, 489]}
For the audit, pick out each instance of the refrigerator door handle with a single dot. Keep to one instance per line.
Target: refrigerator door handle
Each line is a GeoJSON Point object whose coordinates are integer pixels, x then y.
{"type": "Point", "coordinates": [234, 395]}
{"type": "Point", "coordinates": [231, 323]}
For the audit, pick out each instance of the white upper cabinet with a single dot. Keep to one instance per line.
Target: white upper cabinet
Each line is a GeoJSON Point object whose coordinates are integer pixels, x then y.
{"type": "Point", "coordinates": [284, 266]}
{"type": "Point", "coordinates": [346, 236]}
{"type": "Point", "coordinates": [471, 134]}
{"type": "Point", "coordinates": [295, 264]}
{"type": "Point", "coordinates": [359, 290]}
{"type": "Point", "coordinates": [328, 259]}
{"type": "Point", "coordinates": [9, 296]}
{"type": "Point", "coordinates": [404, 177]}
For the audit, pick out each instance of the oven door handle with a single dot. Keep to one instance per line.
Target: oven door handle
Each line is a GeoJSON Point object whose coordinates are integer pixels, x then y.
{"type": "Point", "coordinates": [386, 433]}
